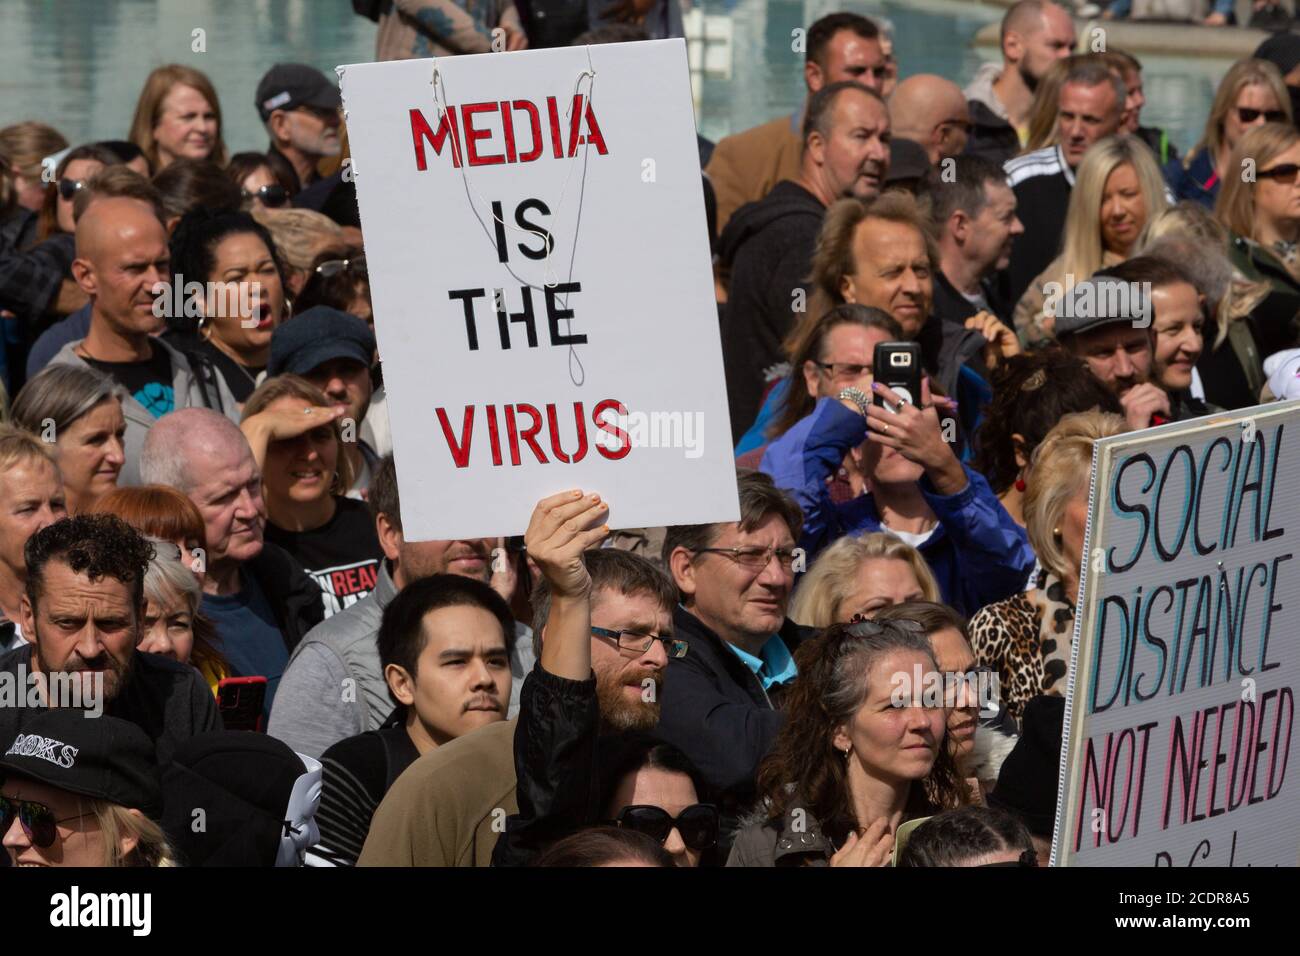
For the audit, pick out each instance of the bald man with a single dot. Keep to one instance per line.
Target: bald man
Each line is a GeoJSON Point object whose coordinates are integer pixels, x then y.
{"type": "Point", "coordinates": [121, 256]}
{"type": "Point", "coordinates": [931, 111]}
{"type": "Point", "coordinates": [1035, 34]}
{"type": "Point", "coordinates": [259, 598]}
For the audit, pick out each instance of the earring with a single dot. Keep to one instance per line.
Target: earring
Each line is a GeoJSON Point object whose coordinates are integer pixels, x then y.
{"type": "Point", "coordinates": [1056, 532]}
{"type": "Point", "coordinates": [1020, 484]}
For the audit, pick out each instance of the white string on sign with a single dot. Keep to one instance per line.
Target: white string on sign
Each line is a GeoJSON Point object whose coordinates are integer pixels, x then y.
{"type": "Point", "coordinates": [576, 371]}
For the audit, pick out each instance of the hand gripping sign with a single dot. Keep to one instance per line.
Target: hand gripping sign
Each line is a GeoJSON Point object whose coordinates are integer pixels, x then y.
{"type": "Point", "coordinates": [544, 310]}
{"type": "Point", "coordinates": [1180, 744]}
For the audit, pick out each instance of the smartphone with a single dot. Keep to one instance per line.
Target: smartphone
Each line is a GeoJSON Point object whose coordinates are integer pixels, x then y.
{"type": "Point", "coordinates": [897, 365]}
{"type": "Point", "coordinates": [240, 699]}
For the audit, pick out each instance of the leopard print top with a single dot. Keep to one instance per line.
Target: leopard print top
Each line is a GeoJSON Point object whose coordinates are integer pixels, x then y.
{"type": "Point", "coordinates": [1027, 639]}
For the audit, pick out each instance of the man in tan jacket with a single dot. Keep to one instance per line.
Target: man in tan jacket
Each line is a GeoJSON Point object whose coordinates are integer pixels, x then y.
{"type": "Point", "coordinates": [745, 166]}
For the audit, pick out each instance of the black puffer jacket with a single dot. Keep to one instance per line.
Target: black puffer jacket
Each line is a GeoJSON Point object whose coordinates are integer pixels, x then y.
{"type": "Point", "coordinates": [293, 595]}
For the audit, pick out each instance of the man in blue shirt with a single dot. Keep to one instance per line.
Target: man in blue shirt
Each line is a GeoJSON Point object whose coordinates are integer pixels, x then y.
{"type": "Point", "coordinates": [734, 579]}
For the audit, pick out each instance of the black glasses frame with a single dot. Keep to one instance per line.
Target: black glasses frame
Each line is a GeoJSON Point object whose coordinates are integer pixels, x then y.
{"type": "Point", "coordinates": [700, 835]}
{"type": "Point", "coordinates": [640, 643]}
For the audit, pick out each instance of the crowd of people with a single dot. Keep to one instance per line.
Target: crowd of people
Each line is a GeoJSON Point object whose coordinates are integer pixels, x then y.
{"type": "Point", "coordinates": [201, 538]}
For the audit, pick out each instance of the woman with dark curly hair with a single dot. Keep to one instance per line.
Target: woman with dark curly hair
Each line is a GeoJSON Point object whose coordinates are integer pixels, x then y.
{"type": "Point", "coordinates": [1031, 393]}
{"type": "Point", "coordinates": [859, 754]}
{"type": "Point", "coordinates": [233, 256]}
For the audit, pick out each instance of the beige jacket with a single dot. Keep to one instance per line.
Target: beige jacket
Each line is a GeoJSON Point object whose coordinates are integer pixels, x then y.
{"type": "Point", "coordinates": [449, 807]}
{"type": "Point", "coordinates": [745, 166]}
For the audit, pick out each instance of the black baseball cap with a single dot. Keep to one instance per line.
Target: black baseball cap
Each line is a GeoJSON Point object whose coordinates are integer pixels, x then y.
{"type": "Point", "coordinates": [316, 336]}
{"type": "Point", "coordinates": [287, 86]}
{"type": "Point", "coordinates": [105, 758]}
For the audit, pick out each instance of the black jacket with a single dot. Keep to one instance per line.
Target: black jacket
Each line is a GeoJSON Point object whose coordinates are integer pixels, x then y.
{"type": "Point", "coordinates": [1042, 183]}
{"type": "Point", "coordinates": [716, 711]}
{"type": "Point", "coordinates": [951, 306]}
{"type": "Point", "coordinates": [768, 246]}
{"type": "Point", "coordinates": [292, 594]}
{"type": "Point", "coordinates": [556, 781]}
{"type": "Point", "coordinates": [991, 137]}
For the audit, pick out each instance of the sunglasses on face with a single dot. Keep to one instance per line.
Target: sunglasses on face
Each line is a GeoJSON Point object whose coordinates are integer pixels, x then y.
{"type": "Point", "coordinates": [37, 820]}
{"type": "Point", "coordinates": [70, 187]}
{"type": "Point", "coordinates": [1248, 115]}
{"type": "Point", "coordinates": [1283, 175]}
{"type": "Point", "coordinates": [272, 196]}
{"type": "Point", "coordinates": [332, 267]}
{"type": "Point", "coordinates": [697, 824]}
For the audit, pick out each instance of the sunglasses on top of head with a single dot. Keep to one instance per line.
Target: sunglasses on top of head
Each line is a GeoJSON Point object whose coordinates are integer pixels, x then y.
{"type": "Point", "coordinates": [272, 195]}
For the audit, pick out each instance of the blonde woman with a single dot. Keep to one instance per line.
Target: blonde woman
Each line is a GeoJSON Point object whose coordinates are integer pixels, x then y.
{"type": "Point", "coordinates": [862, 575]}
{"type": "Point", "coordinates": [1230, 373]}
{"type": "Point", "coordinates": [1250, 94]}
{"type": "Point", "coordinates": [1117, 188]}
{"type": "Point", "coordinates": [178, 116]}
{"type": "Point", "coordinates": [1026, 638]}
{"type": "Point", "coordinates": [98, 810]}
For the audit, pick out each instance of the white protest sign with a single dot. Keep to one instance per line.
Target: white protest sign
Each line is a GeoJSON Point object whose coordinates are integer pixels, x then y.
{"type": "Point", "coordinates": [540, 272]}
{"type": "Point", "coordinates": [1179, 747]}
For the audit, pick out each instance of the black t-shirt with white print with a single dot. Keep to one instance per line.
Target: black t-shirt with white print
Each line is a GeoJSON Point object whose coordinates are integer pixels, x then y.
{"type": "Point", "coordinates": [342, 555]}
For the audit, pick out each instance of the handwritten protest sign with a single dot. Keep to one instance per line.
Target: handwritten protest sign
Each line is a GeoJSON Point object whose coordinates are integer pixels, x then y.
{"type": "Point", "coordinates": [539, 267]}
{"type": "Point", "coordinates": [1179, 746]}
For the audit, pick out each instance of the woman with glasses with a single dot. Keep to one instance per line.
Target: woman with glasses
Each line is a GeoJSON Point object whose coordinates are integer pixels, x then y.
{"type": "Point", "coordinates": [1027, 638]}
{"type": "Point", "coordinates": [70, 177]}
{"type": "Point", "coordinates": [652, 788]}
{"type": "Point", "coordinates": [243, 299]}
{"type": "Point", "coordinates": [178, 116]}
{"type": "Point", "coordinates": [860, 576]}
{"type": "Point", "coordinates": [1263, 220]}
{"type": "Point", "coordinates": [853, 761]}
{"type": "Point", "coordinates": [293, 431]}
{"type": "Point", "coordinates": [95, 805]}
{"type": "Point", "coordinates": [1250, 94]}
{"type": "Point", "coordinates": [826, 356]}
{"type": "Point", "coordinates": [257, 182]}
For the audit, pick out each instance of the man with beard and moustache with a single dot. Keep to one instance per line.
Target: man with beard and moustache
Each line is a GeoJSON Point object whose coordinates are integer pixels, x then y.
{"type": "Point", "coordinates": [974, 215]}
{"type": "Point", "coordinates": [334, 686]}
{"type": "Point", "coordinates": [1035, 34]}
{"type": "Point", "coordinates": [721, 701]}
{"type": "Point", "coordinates": [564, 701]}
{"type": "Point", "coordinates": [443, 645]}
{"type": "Point", "coordinates": [301, 111]}
{"type": "Point", "coordinates": [258, 597]}
{"type": "Point", "coordinates": [450, 807]}
{"type": "Point", "coordinates": [83, 610]}
{"type": "Point", "coordinates": [769, 244]}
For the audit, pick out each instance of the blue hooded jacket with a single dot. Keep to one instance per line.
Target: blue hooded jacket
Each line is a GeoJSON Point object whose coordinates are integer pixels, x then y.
{"type": "Point", "coordinates": [977, 552]}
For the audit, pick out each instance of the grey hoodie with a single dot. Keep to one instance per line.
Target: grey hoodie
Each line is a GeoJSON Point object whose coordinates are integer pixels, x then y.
{"type": "Point", "coordinates": [187, 391]}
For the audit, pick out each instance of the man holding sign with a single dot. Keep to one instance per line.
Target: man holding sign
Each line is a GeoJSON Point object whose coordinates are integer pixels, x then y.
{"type": "Point", "coordinates": [504, 198]}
